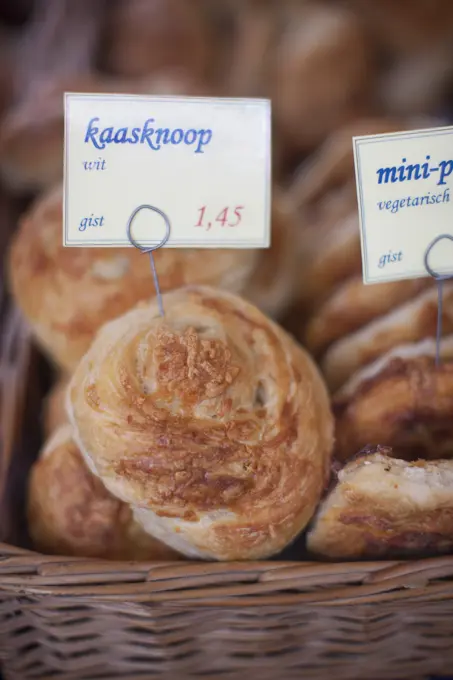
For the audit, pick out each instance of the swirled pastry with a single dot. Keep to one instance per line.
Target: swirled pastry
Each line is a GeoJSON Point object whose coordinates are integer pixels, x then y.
{"type": "Point", "coordinates": [402, 400]}
{"type": "Point", "coordinates": [70, 512]}
{"type": "Point", "coordinates": [353, 305]}
{"type": "Point", "coordinates": [68, 293]}
{"type": "Point", "coordinates": [410, 322]}
{"type": "Point", "coordinates": [384, 507]}
{"type": "Point", "coordinates": [54, 411]}
{"type": "Point", "coordinates": [210, 422]}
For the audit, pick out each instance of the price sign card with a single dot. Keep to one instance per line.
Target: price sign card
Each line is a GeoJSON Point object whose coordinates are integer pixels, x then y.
{"type": "Point", "coordinates": [404, 187]}
{"type": "Point", "coordinates": [203, 162]}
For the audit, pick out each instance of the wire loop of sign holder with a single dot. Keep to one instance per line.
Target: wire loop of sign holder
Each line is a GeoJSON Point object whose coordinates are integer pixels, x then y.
{"type": "Point", "coordinates": [439, 278]}
{"type": "Point", "coordinates": [150, 249]}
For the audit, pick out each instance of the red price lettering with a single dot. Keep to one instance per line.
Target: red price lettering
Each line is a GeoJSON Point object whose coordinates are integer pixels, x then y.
{"type": "Point", "coordinates": [227, 217]}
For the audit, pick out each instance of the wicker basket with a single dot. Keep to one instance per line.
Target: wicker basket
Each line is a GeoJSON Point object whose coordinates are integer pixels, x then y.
{"type": "Point", "coordinates": [84, 619]}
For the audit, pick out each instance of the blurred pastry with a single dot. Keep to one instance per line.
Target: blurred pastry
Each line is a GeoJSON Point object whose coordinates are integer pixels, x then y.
{"type": "Point", "coordinates": [144, 37]}
{"type": "Point", "coordinates": [256, 29]}
{"type": "Point", "coordinates": [31, 136]}
{"type": "Point", "coordinates": [211, 422]}
{"type": "Point", "coordinates": [331, 167]}
{"type": "Point", "coordinates": [54, 411]}
{"type": "Point", "coordinates": [385, 507]}
{"type": "Point", "coordinates": [320, 72]}
{"type": "Point", "coordinates": [413, 41]}
{"type": "Point", "coordinates": [333, 256]}
{"type": "Point", "coordinates": [402, 400]}
{"type": "Point", "coordinates": [68, 293]}
{"type": "Point", "coordinates": [410, 322]}
{"type": "Point", "coordinates": [353, 305]}
{"type": "Point", "coordinates": [70, 512]}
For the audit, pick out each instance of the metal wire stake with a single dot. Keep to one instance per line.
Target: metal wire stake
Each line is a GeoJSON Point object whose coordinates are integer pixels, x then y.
{"type": "Point", "coordinates": [439, 278]}
{"type": "Point", "coordinates": [151, 249]}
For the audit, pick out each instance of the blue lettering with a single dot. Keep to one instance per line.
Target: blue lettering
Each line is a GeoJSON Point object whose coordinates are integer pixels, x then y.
{"type": "Point", "coordinates": [91, 133]}
{"type": "Point", "coordinates": [135, 136]}
{"type": "Point", "coordinates": [446, 168]}
{"type": "Point", "coordinates": [193, 136]}
{"type": "Point", "coordinates": [147, 133]}
{"type": "Point", "coordinates": [177, 133]}
{"type": "Point", "coordinates": [205, 137]}
{"type": "Point", "coordinates": [120, 136]}
{"type": "Point", "coordinates": [386, 175]}
{"type": "Point", "coordinates": [106, 136]}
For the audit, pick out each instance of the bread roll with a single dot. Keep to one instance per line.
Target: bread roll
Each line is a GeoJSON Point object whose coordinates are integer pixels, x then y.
{"type": "Point", "coordinates": [54, 411]}
{"type": "Point", "coordinates": [68, 293]}
{"type": "Point", "coordinates": [384, 507]}
{"type": "Point", "coordinates": [410, 322]}
{"type": "Point", "coordinates": [70, 512]}
{"type": "Point", "coordinates": [211, 422]}
{"type": "Point", "coordinates": [402, 400]}
{"type": "Point", "coordinates": [353, 305]}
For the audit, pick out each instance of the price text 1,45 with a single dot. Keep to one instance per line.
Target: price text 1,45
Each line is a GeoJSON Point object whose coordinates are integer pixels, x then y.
{"type": "Point", "coordinates": [228, 217]}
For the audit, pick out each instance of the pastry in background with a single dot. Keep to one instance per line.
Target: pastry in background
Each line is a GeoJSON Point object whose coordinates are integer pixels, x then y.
{"type": "Point", "coordinates": [402, 400]}
{"type": "Point", "coordinates": [333, 256]}
{"type": "Point", "coordinates": [144, 37]}
{"type": "Point", "coordinates": [66, 294]}
{"type": "Point", "coordinates": [319, 74]}
{"type": "Point", "coordinates": [410, 322]}
{"type": "Point", "coordinates": [32, 134]}
{"type": "Point", "coordinates": [54, 411]}
{"type": "Point", "coordinates": [413, 39]}
{"type": "Point", "coordinates": [212, 423]}
{"type": "Point", "coordinates": [385, 507]}
{"type": "Point", "coordinates": [353, 305]}
{"type": "Point", "coordinates": [70, 512]}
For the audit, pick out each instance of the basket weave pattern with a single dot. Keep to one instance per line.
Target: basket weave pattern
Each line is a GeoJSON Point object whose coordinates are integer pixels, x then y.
{"type": "Point", "coordinates": [82, 619]}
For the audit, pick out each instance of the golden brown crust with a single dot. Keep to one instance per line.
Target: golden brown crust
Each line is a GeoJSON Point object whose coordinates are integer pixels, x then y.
{"type": "Point", "coordinates": [405, 402]}
{"type": "Point", "coordinates": [384, 507]}
{"type": "Point", "coordinates": [54, 411]}
{"type": "Point", "coordinates": [412, 321]}
{"type": "Point", "coordinates": [352, 306]}
{"type": "Point", "coordinates": [68, 293]}
{"type": "Point", "coordinates": [211, 421]}
{"type": "Point", "coordinates": [70, 512]}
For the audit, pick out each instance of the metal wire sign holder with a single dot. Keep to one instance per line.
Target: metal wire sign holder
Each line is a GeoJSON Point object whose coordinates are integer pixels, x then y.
{"type": "Point", "coordinates": [150, 250]}
{"type": "Point", "coordinates": [439, 278]}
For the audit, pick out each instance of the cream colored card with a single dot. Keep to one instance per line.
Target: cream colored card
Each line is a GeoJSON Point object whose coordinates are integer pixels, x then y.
{"type": "Point", "coordinates": [404, 189]}
{"type": "Point", "coordinates": [205, 163]}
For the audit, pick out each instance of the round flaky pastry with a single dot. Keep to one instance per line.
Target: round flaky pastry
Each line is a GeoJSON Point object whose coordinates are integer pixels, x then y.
{"type": "Point", "coordinates": [70, 512]}
{"type": "Point", "coordinates": [211, 422]}
{"type": "Point", "coordinates": [402, 400]}
{"type": "Point", "coordinates": [384, 507]}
